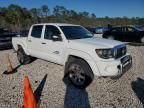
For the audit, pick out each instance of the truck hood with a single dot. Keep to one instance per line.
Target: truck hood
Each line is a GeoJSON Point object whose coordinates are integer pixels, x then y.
{"type": "Point", "coordinates": [96, 42]}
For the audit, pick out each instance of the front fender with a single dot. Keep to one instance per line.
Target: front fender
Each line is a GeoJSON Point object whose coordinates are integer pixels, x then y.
{"type": "Point", "coordinates": [85, 56]}
{"type": "Point", "coordinates": [77, 53]}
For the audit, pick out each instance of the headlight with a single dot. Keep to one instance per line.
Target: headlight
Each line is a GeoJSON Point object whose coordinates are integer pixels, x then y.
{"type": "Point", "coordinates": [104, 53]}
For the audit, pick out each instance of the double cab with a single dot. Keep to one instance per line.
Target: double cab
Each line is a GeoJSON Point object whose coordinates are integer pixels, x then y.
{"type": "Point", "coordinates": [83, 55]}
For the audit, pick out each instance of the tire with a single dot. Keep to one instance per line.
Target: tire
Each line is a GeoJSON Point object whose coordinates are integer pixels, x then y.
{"type": "Point", "coordinates": [79, 73]}
{"type": "Point", "coordinates": [23, 58]}
{"type": "Point", "coordinates": [110, 37]}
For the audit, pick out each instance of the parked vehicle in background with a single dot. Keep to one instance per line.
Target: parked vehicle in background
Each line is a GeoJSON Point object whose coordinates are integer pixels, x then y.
{"type": "Point", "coordinates": [99, 31]}
{"type": "Point", "coordinates": [23, 33]}
{"type": "Point", "coordinates": [91, 29]}
{"type": "Point", "coordinates": [74, 47]}
{"type": "Point", "coordinates": [140, 27]}
{"type": "Point", "coordinates": [125, 33]}
{"type": "Point", "coordinates": [6, 38]}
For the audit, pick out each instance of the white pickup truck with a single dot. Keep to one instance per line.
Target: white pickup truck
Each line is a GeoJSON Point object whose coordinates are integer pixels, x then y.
{"type": "Point", "coordinates": [75, 48]}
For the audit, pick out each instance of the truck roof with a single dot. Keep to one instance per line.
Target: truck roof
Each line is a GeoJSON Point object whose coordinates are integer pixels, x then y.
{"type": "Point", "coordinates": [58, 24]}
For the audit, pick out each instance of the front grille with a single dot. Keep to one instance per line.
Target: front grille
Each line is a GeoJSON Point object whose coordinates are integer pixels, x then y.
{"type": "Point", "coordinates": [119, 52]}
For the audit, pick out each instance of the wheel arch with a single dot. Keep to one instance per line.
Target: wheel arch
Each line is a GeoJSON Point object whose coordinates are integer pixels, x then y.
{"type": "Point", "coordinates": [21, 46]}
{"type": "Point", "coordinates": [73, 57]}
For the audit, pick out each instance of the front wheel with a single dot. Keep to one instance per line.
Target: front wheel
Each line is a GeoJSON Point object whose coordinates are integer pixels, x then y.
{"type": "Point", "coordinates": [79, 73]}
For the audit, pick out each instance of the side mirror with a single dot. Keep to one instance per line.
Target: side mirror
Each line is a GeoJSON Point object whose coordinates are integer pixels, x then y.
{"type": "Point", "coordinates": [56, 38]}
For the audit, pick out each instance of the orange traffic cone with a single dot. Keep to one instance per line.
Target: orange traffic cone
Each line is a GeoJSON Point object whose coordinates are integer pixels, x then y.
{"type": "Point", "coordinates": [29, 98]}
{"type": "Point", "coordinates": [8, 64]}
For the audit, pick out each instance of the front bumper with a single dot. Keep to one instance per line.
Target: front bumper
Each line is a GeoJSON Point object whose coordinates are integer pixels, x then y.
{"type": "Point", "coordinates": [115, 67]}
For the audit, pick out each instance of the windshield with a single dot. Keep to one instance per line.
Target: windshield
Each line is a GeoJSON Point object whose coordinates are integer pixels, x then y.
{"type": "Point", "coordinates": [75, 32]}
{"type": "Point", "coordinates": [140, 27]}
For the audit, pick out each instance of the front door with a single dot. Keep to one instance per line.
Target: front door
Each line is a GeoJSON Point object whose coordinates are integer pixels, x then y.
{"type": "Point", "coordinates": [117, 33]}
{"type": "Point", "coordinates": [131, 34]}
{"type": "Point", "coordinates": [53, 50]}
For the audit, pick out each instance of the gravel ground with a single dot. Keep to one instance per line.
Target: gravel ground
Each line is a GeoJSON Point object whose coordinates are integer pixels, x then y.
{"type": "Point", "coordinates": [46, 81]}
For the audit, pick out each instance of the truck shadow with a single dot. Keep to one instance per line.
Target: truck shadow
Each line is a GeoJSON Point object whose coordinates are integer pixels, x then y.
{"type": "Point", "coordinates": [14, 70]}
{"type": "Point", "coordinates": [74, 97]}
{"type": "Point", "coordinates": [32, 59]}
{"type": "Point", "coordinates": [138, 88]}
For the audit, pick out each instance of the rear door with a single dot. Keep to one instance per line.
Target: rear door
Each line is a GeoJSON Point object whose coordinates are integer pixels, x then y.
{"type": "Point", "coordinates": [129, 34]}
{"type": "Point", "coordinates": [34, 41]}
{"type": "Point", "coordinates": [117, 33]}
{"type": "Point", "coordinates": [125, 34]}
{"type": "Point", "coordinates": [132, 34]}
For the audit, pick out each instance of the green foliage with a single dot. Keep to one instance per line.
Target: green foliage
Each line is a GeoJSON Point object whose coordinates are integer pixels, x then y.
{"type": "Point", "coordinates": [45, 10]}
{"type": "Point", "coordinates": [17, 18]}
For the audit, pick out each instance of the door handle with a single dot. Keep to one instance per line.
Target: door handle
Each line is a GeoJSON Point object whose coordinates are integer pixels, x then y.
{"type": "Point", "coordinates": [43, 43]}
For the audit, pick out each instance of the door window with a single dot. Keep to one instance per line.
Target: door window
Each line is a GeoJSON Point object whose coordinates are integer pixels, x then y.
{"type": "Point", "coordinates": [36, 31]}
{"type": "Point", "coordinates": [51, 31]}
{"type": "Point", "coordinates": [130, 29]}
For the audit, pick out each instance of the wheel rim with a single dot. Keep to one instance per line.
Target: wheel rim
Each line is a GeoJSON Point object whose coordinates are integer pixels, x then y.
{"type": "Point", "coordinates": [20, 57]}
{"type": "Point", "coordinates": [77, 75]}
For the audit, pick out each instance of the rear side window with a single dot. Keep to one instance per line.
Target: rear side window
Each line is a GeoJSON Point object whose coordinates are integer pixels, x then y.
{"type": "Point", "coordinates": [36, 31]}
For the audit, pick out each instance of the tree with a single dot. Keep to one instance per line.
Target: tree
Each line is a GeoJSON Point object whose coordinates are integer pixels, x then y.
{"type": "Point", "coordinates": [15, 12]}
{"type": "Point", "coordinates": [39, 13]}
{"type": "Point", "coordinates": [93, 16]}
{"type": "Point", "coordinates": [34, 13]}
{"type": "Point", "coordinates": [17, 17]}
{"type": "Point", "coordinates": [45, 10]}
{"type": "Point", "coordinates": [84, 14]}
{"type": "Point", "coordinates": [60, 11]}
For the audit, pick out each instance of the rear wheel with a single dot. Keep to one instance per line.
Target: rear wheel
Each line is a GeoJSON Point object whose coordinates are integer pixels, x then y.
{"type": "Point", "coordinates": [23, 58]}
{"type": "Point", "coordinates": [79, 73]}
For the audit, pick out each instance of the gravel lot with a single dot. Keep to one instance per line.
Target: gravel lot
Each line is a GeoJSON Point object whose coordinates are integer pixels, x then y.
{"type": "Point", "coordinates": [46, 81]}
